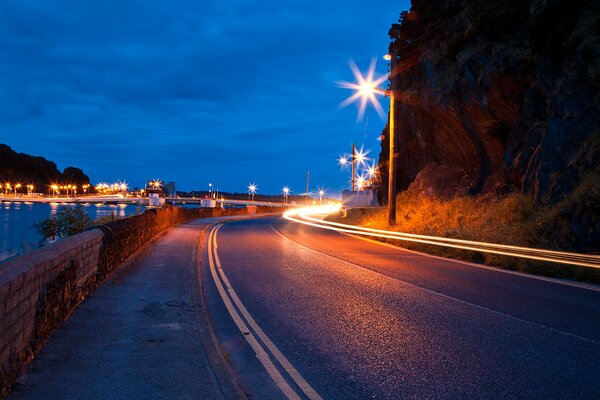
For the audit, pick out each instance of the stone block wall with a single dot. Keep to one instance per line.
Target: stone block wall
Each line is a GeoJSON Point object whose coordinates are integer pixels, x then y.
{"type": "Point", "coordinates": [39, 290]}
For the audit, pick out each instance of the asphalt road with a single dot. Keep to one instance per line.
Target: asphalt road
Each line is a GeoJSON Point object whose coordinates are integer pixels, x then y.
{"type": "Point", "coordinates": [359, 320]}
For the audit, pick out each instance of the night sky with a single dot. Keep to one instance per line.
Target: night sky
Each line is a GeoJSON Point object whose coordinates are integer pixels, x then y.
{"type": "Point", "coordinates": [220, 91]}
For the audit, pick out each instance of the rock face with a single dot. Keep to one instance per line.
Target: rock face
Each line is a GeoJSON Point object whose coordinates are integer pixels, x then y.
{"type": "Point", "coordinates": [496, 96]}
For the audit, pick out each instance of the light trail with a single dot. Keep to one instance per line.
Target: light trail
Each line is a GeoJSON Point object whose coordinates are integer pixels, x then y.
{"type": "Point", "coordinates": [305, 216]}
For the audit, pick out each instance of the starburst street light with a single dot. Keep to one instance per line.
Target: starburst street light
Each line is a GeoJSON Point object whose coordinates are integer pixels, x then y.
{"type": "Point", "coordinates": [286, 193]}
{"type": "Point", "coordinates": [361, 156]}
{"type": "Point", "coordinates": [343, 160]}
{"type": "Point", "coordinates": [321, 194]}
{"type": "Point", "coordinates": [372, 171]}
{"type": "Point", "coordinates": [366, 88]}
{"type": "Point", "coordinates": [252, 188]}
{"type": "Point", "coordinates": [361, 182]}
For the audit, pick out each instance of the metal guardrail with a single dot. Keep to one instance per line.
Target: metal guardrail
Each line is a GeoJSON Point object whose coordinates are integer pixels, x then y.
{"type": "Point", "coordinates": [305, 216]}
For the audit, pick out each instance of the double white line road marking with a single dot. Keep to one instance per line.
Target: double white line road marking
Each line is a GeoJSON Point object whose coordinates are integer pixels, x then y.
{"type": "Point", "coordinates": [267, 353]}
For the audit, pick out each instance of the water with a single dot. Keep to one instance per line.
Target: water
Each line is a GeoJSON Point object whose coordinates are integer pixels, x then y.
{"type": "Point", "coordinates": [17, 234]}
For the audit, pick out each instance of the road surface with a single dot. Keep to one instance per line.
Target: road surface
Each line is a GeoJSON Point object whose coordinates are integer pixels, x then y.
{"type": "Point", "coordinates": [335, 317]}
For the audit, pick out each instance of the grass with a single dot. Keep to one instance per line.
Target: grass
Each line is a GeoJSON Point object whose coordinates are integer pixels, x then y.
{"type": "Point", "coordinates": [514, 219]}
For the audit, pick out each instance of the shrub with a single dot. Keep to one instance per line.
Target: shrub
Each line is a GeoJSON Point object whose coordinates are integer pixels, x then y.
{"type": "Point", "coordinates": [66, 222]}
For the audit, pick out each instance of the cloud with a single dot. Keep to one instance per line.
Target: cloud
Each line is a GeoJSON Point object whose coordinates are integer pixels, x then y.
{"type": "Point", "coordinates": [109, 85]}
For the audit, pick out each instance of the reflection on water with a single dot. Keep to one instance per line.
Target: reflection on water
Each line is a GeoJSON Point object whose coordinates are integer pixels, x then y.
{"type": "Point", "coordinates": [17, 233]}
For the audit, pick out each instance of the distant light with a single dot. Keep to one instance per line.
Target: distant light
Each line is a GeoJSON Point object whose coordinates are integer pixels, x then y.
{"type": "Point", "coordinates": [361, 156]}
{"type": "Point", "coordinates": [360, 182]}
{"type": "Point", "coordinates": [252, 188]}
{"type": "Point", "coordinates": [387, 57]}
{"type": "Point", "coordinates": [365, 87]}
{"type": "Point", "coordinates": [286, 190]}
{"type": "Point", "coordinates": [372, 171]}
{"type": "Point", "coordinates": [343, 160]}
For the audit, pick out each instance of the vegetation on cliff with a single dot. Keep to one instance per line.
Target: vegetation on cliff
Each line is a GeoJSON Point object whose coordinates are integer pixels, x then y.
{"type": "Point", "coordinates": [26, 169]}
{"type": "Point", "coordinates": [513, 219]}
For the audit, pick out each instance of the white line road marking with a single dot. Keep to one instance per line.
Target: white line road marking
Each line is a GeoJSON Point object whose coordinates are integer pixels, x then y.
{"type": "Point", "coordinates": [262, 355]}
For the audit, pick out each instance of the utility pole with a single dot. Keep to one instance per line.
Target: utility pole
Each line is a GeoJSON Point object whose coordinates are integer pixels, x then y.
{"type": "Point", "coordinates": [392, 137]}
{"type": "Point", "coordinates": [307, 179]}
{"type": "Point", "coordinates": [353, 162]}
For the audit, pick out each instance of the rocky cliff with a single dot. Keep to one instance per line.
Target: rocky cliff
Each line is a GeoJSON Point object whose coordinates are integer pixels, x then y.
{"type": "Point", "coordinates": [496, 96]}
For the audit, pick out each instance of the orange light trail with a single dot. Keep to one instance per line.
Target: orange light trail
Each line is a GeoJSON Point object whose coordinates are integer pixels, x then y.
{"type": "Point", "coordinates": [305, 216]}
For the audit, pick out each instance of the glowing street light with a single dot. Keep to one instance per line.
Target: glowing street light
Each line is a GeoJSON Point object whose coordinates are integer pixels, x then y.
{"type": "Point", "coordinates": [54, 189]}
{"type": "Point", "coordinates": [358, 157]}
{"type": "Point", "coordinates": [252, 188]}
{"type": "Point", "coordinates": [361, 156]}
{"type": "Point", "coordinates": [361, 182]}
{"type": "Point", "coordinates": [286, 193]}
{"type": "Point", "coordinates": [343, 160]}
{"type": "Point", "coordinates": [372, 171]}
{"type": "Point", "coordinates": [17, 186]}
{"type": "Point", "coordinates": [366, 88]}
{"type": "Point", "coordinates": [321, 194]}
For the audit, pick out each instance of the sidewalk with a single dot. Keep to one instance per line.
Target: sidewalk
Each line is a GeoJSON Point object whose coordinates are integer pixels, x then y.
{"type": "Point", "coordinates": [142, 335]}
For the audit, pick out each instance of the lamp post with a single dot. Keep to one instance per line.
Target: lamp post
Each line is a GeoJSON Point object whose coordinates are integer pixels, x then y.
{"type": "Point", "coordinates": [365, 89]}
{"type": "Point", "coordinates": [286, 192]}
{"type": "Point", "coordinates": [251, 190]}
{"type": "Point", "coordinates": [353, 165]}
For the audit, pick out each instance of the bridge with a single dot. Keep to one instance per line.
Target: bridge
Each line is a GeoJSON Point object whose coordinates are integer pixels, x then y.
{"type": "Point", "coordinates": [120, 199]}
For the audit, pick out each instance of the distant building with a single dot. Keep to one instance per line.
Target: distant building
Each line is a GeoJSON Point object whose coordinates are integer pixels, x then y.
{"type": "Point", "coordinates": [169, 189]}
{"type": "Point", "coordinates": [363, 198]}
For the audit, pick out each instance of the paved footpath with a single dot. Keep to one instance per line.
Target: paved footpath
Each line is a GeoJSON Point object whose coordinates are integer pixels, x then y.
{"type": "Point", "coordinates": [142, 335]}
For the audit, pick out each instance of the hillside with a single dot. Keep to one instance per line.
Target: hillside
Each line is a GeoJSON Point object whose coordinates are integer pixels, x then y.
{"type": "Point", "coordinates": [500, 96]}
{"type": "Point", "coordinates": [26, 169]}
{"type": "Point", "coordinates": [497, 98]}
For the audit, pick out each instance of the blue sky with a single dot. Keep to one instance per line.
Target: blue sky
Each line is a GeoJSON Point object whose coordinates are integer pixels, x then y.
{"type": "Point", "coordinates": [220, 91]}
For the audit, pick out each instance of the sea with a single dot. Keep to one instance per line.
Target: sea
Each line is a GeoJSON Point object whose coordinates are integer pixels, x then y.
{"type": "Point", "coordinates": [17, 220]}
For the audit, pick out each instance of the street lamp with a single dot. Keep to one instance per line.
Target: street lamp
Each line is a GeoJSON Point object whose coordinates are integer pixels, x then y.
{"type": "Point", "coordinates": [321, 194]}
{"type": "Point", "coordinates": [286, 192]}
{"type": "Point", "coordinates": [365, 89]}
{"type": "Point", "coordinates": [17, 186]}
{"type": "Point", "coordinates": [251, 190]}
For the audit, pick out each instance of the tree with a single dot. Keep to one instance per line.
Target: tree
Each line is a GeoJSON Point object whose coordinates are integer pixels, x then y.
{"type": "Point", "coordinates": [75, 176]}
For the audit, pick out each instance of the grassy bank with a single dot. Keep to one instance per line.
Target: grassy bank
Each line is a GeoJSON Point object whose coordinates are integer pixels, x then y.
{"type": "Point", "coordinates": [569, 225]}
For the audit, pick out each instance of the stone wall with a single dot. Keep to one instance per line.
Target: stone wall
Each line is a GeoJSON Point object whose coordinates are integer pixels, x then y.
{"type": "Point", "coordinates": [39, 290]}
